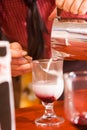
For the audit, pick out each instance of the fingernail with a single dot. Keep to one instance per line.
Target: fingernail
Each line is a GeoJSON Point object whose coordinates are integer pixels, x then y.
{"type": "Point", "coordinates": [28, 58]}
{"type": "Point", "coordinates": [24, 53]}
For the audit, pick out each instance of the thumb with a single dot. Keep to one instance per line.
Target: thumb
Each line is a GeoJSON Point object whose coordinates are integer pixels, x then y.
{"type": "Point", "coordinates": [15, 45]}
{"type": "Point", "coordinates": [16, 50]}
{"type": "Point", "coordinates": [18, 53]}
{"type": "Point", "coordinates": [53, 14]}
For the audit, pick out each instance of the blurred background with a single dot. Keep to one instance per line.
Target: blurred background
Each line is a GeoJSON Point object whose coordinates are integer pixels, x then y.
{"type": "Point", "coordinates": [28, 98]}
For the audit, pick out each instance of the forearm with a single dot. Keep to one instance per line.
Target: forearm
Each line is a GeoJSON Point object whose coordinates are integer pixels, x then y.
{"type": "Point", "coordinates": [45, 8]}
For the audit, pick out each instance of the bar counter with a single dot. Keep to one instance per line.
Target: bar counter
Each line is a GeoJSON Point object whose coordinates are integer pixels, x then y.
{"type": "Point", "coordinates": [25, 118]}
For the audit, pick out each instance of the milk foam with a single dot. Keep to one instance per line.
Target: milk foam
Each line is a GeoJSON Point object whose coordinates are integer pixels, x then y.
{"type": "Point", "coordinates": [48, 88]}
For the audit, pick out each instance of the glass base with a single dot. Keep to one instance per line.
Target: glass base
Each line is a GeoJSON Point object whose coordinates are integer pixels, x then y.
{"type": "Point", "coordinates": [49, 121]}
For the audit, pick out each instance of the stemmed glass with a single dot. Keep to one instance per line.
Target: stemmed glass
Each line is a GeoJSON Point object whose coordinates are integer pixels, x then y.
{"type": "Point", "coordinates": [47, 83]}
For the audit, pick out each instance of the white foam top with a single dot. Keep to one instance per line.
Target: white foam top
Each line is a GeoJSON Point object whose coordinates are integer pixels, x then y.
{"type": "Point", "coordinates": [49, 88]}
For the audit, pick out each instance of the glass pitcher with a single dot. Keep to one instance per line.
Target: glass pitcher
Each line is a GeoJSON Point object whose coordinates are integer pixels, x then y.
{"type": "Point", "coordinates": [69, 38]}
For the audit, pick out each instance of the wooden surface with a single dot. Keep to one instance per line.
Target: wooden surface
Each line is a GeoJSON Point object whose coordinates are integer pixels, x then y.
{"type": "Point", "coordinates": [25, 118]}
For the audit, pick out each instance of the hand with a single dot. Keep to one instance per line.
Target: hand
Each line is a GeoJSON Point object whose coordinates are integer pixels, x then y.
{"type": "Point", "coordinates": [53, 14]}
{"type": "Point", "coordinates": [73, 6]}
{"type": "Point", "coordinates": [21, 63]}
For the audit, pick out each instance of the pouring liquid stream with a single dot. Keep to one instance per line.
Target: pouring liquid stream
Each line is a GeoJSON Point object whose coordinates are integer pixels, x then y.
{"type": "Point", "coordinates": [47, 69]}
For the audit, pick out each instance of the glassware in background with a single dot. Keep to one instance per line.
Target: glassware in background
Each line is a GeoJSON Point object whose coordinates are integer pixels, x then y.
{"type": "Point", "coordinates": [47, 83]}
{"type": "Point", "coordinates": [76, 97]}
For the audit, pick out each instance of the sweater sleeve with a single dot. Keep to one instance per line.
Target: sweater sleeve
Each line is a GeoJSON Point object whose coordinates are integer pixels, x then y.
{"type": "Point", "coordinates": [46, 7]}
{"type": "Point", "coordinates": [1, 9]}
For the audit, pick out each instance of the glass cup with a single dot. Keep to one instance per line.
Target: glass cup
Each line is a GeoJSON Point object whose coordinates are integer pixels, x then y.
{"type": "Point", "coordinates": [47, 83]}
{"type": "Point", "coordinates": [75, 102]}
{"type": "Point", "coordinates": [69, 38]}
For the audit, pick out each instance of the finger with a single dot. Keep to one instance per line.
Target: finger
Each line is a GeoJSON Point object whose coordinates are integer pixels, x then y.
{"type": "Point", "coordinates": [18, 53]}
{"type": "Point", "coordinates": [20, 61]}
{"type": "Point", "coordinates": [15, 45]}
{"type": "Point", "coordinates": [67, 5]}
{"type": "Point", "coordinates": [53, 14]}
{"type": "Point", "coordinates": [16, 71]}
{"type": "Point", "coordinates": [22, 67]}
{"type": "Point", "coordinates": [75, 6]}
{"type": "Point", "coordinates": [28, 58]}
{"type": "Point", "coordinates": [59, 3]}
{"type": "Point", "coordinates": [83, 8]}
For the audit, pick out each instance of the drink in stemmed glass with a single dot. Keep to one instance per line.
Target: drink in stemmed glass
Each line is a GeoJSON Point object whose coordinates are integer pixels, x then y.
{"type": "Point", "coordinates": [47, 82]}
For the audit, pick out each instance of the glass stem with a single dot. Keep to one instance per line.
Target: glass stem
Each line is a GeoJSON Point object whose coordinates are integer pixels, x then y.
{"type": "Point", "coordinates": [49, 111]}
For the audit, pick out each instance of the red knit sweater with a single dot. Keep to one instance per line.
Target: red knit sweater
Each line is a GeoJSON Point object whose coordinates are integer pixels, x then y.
{"type": "Point", "coordinates": [13, 15]}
